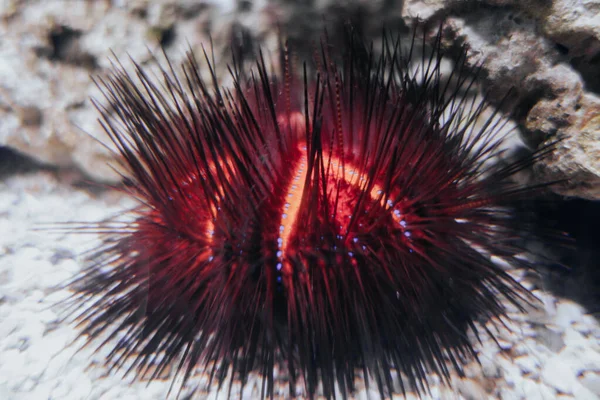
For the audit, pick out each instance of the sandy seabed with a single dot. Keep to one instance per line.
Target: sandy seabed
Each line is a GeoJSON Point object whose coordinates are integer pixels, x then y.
{"type": "Point", "coordinates": [552, 352]}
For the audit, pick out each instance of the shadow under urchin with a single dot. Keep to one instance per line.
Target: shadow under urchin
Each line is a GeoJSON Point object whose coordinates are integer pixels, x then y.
{"type": "Point", "coordinates": [329, 218]}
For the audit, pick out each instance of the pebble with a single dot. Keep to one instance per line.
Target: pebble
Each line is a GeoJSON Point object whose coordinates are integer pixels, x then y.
{"type": "Point", "coordinates": [12, 368]}
{"type": "Point", "coordinates": [507, 393]}
{"type": "Point", "coordinates": [511, 374]}
{"type": "Point", "coordinates": [550, 337]}
{"type": "Point", "coordinates": [583, 328]}
{"type": "Point", "coordinates": [42, 391]}
{"type": "Point", "coordinates": [471, 389]}
{"type": "Point", "coordinates": [532, 390]}
{"type": "Point", "coordinates": [489, 367]}
{"type": "Point", "coordinates": [80, 389]}
{"type": "Point", "coordinates": [573, 339]}
{"type": "Point", "coordinates": [10, 324]}
{"type": "Point", "coordinates": [32, 328]}
{"type": "Point", "coordinates": [61, 390]}
{"type": "Point", "coordinates": [580, 392]}
{"type": "Point", "coordinates": [567, 312]}
{"type": "Point", "coordinates": [591, 324]}
{"type": "Point", "coordinates": [591, 380]}
{"type": "Point", "coordinates": [527, 364]}
{"type": "Point", "coordinates": [558, 375]}
{"type": "Point", "coordinates": [581, 360]}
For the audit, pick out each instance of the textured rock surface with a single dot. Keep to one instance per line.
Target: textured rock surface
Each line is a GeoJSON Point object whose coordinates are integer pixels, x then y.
{"type": "Point", "coordinates": [549, 51]}
{"type": "Point", "coordinates": [554, 88]}
{"type": "Point", "coordinates": [52, 49]}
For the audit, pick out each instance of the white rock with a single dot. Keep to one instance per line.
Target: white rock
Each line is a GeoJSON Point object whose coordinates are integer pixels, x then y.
{"type": "Point", "coordinates": [581, 359]}
{"type": "Point", "coordinates": [32, 329]}
{"type": "Point", "coordinates": [582, 328]}
{"type": "Point", "coordinates": [558, 375]}
{"type": "Point", "coordinates": [567, 312]}
{"type": "Point", "coordinates": [158, 390]}
{"type": "Point", "coordinates": [508, 393]}
{"type": "Point", "coordinates": [43, 390]}
{"type": "Point", "coordinates": [531, 390]}
{"type": "Point", "coordinates": [61, 390]}
{"type": "Point", "coordinates": [580, 392]}
{"type": "Point", "coordinates": [591, 380]}
{"type": "Point", "coordinates": [511, 374]}
{"type": "Point", "coordinates": [489, 367]}
{"type": "Point", "coordinates": [27, 276]}
{"type": "Point", "coordinates": [60, 363]}
{"type": "Point", "coordinates": [12, 367]}
{"type": "Point", "coordinates": [591, 324]}
{"type": "Point", "coordinates": [119, 396]}
{"type": "Point", "coordinates": [574, 339]}
{"type": "Point", "coordinates": [81, 389]}
{"type": "Point", "coordinates": [46, 316]}
{"type": "Point", "coordinates": [527, 364]}
{"type": "Point", "coordinates": [10, 324]}
{"type": "Point", "coordinates": [471, 389]}
{"type": "Point", "coordinates": [551, 338]}
{"type": "Point", "coordinates": [60, 274]}
{"type": "Point", "coordinates": [28, 384]}
{"type": "Point", "coordinates": [48, 346]}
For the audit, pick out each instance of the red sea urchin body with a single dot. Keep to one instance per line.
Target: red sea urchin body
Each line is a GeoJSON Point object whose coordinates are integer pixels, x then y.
{"type": "Point", "coordinates": [338, 225]}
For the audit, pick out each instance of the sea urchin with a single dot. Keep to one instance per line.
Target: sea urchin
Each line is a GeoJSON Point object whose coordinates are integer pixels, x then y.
{"type": "Point", "coordinates": [328, 222]}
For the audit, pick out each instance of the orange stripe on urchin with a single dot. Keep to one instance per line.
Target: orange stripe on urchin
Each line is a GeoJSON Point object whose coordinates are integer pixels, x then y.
{"type": "Point", "coordinates": [328, 223]}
